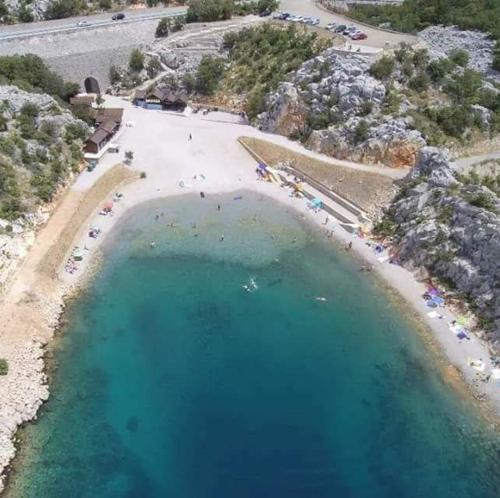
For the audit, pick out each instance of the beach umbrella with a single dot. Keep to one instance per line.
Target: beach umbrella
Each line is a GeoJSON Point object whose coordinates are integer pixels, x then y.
{"type": "Point", "coordinates": [108, 206]}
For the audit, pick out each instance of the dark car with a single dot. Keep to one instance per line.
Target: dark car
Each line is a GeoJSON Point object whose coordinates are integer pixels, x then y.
{"type": "Point", "coordinates": [118, 17]}
{"type": "Point", "coordinates": [340, 29]}
{"type": "Point", "coordinates": [265, 13]}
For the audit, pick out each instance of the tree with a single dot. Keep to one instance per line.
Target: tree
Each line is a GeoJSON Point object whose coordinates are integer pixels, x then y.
{"type": "Point", "coordinates": [105, 4]}
{"type": "Point", "coordinates": [163, 28]}
{"type": "Point", "coordinates": [136, 62]}
{"type": "Point", "coordinates": [209, 74]}
{"type": "Point", "coordinates": [4, 366]}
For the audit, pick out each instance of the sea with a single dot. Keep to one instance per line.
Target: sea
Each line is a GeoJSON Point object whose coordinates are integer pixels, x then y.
{"type": "Point", "coordinates": [228, 349]}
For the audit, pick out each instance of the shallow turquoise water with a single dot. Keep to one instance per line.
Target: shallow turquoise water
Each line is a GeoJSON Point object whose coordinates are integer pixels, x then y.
{"type": "Point", "coordinates": [172, 380]}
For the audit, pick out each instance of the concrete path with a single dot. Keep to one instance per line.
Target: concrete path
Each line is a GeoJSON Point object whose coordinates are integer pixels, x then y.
{"type": "Point", "coordinates": [465, 162]}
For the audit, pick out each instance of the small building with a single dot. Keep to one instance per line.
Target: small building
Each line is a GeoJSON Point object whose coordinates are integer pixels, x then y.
{"type": "Point", "coordinates": [161, 98]}
{"type": "Point", "coordinates": [109, 114]}
{"type": "Point", "coordinates": [108, 122]}
{"type": "Point", "coordinates": [82, 99]}
{"type": "Point", "coordinates": [97, 141]}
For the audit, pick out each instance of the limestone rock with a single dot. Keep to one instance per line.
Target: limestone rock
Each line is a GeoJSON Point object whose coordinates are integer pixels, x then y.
{"type": "Point", "coordinates": [448, 227]}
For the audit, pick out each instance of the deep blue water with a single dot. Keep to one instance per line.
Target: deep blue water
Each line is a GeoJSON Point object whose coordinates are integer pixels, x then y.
{"type": "Point", "coordinates": [172, 380]}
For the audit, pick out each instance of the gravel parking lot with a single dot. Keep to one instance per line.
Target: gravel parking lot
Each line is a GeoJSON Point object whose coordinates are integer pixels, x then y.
{"type": "Point", "coordinates": [376, 38]}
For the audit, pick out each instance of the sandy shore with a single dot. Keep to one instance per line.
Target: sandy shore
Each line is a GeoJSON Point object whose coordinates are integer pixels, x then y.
{"type": "Point", "coordinates": [35, 300]}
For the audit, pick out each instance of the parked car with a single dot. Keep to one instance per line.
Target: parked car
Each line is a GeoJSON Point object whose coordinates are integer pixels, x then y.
{"type": "Point", "coordinates": [265, 13]}
{"type": "Point", "coordinates": [332, 26]}
{"type": "Point", "coordinates": [359, 36]}
{"type": "Point", "coordinates": [118, 17]}
{"type": "Point", "coordinates": [314, 21]}
{"type": "Point", "coordinates": [340, 28]}
{"type": "Point", "coordinates": [349, 29]}
{"type": "Point", "coordinates": [82, 24]}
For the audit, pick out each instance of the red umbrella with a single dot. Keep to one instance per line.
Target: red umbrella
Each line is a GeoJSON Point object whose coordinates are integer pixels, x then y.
{"type": "Point", "coordinates": [108, 206]}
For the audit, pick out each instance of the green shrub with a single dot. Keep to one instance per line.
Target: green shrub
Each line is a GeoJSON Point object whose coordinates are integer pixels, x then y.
{"type": "Point", "coordinates": [59, 9]}
{"type": "Point", "coordinates": [365, 108]}
{"type": "Point", "coordinates": [209, 10]}
{"type": "Point", "coordinates": [4, 366]}
{"type": "Point", "coordinates": [25, 14]}
{"type": "Point", "coordinates": [482, 200]}
{"type": "Point", "coordinates": [439, 68]}
{"type": "Point", "coordinates": [163, 27]}
{"type": "Point", "coordinates": [459, 57]}
{"type": "Point", "coordinates": [420, 82]}
{"type": "Point", "coordinates": [361, 132]}
{"type": "Point", "coordinates": [382, 68]}
{"type": "Point", "coordinates": [75, 131]}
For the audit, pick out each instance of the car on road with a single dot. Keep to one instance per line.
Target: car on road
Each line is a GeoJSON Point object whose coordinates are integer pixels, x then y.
{"type": "Point", "coordinates": [118, 17]}
{"type": "Point", "coordinates": [82, 24]}
{"type": "Point", "coordinates": [340, 28]}
{"type": "Point", "coordinates": [359, 36]}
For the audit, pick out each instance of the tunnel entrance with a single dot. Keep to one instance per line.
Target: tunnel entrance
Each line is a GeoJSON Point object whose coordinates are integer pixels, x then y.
{"type": "Point", "coordinates": [92, 86]}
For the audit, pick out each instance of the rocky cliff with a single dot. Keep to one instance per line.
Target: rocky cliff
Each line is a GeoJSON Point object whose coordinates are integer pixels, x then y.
{"type": "Point", "coordinates": [335, 106]}
{"type": "Point", "coordinates": [451, 226]}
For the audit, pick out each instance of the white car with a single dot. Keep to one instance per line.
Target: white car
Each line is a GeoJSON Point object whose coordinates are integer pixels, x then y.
{"type": "Point", "coordinates": [82, 24]}
{"type": "Point", "coordinates": [314, 21]}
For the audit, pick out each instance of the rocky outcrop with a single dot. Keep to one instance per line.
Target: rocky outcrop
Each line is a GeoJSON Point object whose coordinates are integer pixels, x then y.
{"type": "Point", "coordinates": [442, 40]}
{"type": "Point", "coordinates": [335, 106]}
{"type": "Point", "coordinates": [452, 229]}
{"type": "Point", "coordinates": [391, 142]}
{"type": "Point", "coordinates": [37, 7]}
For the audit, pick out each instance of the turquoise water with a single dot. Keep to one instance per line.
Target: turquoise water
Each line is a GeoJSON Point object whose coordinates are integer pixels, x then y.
{"type": "Point", "coordinates": [172, 380]}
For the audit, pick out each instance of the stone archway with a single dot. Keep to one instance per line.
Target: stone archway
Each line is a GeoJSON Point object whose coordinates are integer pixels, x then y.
{"type": "Point", "coordinates": [92, 85]}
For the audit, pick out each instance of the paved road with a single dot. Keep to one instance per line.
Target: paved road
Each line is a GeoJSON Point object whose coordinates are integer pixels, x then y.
{"type": "Point", "coordinates": [376, 38]}
{"type": "Point", "coordinates": [18, 31]}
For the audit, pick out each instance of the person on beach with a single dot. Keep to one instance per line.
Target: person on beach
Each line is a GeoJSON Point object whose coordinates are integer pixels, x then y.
{"type": "Point", "coordinates": [190, 137]}
{"type": "Point", "coordinates": [202, 195]}
{"type": "Point", "coordinates": [326, 221]}
{"type": "Point", "coordinates": [349, 246]}
{"type": "Point", "coordinates": [221, 238]}
{"type": "Point", "coordinates": [218, 207]}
